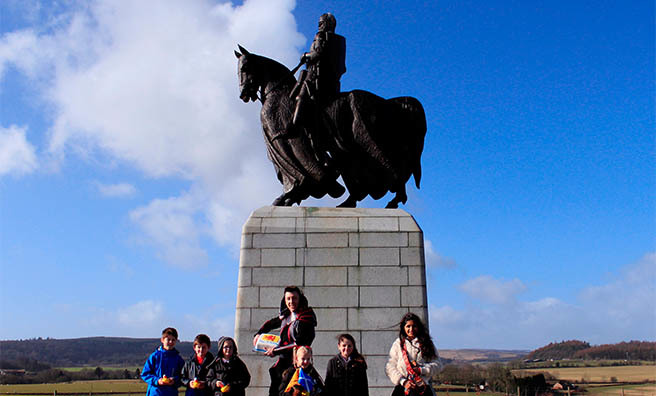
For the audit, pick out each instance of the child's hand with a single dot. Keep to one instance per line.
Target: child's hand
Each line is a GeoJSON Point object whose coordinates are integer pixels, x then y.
{"type": "Point", "coordinates": [219, 384]}
{"type": "Point", "coordinates": [165, 381]}
{"type": "Point", "coordinates": [195, 384]}
{"type": "Point", "coordinates": [269, 352]}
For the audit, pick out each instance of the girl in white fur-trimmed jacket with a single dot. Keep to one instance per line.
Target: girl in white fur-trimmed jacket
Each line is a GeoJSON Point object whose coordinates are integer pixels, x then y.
{"type": "Point", "coordinates": [413, 359]}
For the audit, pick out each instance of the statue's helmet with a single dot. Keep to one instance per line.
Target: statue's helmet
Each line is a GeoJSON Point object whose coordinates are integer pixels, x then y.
{"type": "Point", "coordinates": [327, 23]}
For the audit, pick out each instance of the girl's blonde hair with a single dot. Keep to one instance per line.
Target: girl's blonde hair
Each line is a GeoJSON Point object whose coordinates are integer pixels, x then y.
{"type": "Point", "coordinates": [305, 348]}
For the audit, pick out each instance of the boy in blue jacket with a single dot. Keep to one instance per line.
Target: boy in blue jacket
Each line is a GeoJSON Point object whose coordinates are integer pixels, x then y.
{"type": "Point", "coordinates": [162, 369]}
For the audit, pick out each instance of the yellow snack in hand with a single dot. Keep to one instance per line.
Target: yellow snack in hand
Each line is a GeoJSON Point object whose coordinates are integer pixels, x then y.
{"type": "Point", "coordinates": [225, 388]}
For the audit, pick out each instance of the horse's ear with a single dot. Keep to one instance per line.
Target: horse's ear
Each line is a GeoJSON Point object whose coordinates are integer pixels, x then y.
{"type": "Point", "coordinates": [237, 54]}
{"type": "Point", "coordinates": [243, 50]}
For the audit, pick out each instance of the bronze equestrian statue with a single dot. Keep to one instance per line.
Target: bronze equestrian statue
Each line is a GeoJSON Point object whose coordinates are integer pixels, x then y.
{"type": "Point", "coordinates": [375, 144]}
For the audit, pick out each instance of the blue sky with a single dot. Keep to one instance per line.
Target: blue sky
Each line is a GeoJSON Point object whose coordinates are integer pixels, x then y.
{"type": "Point", "coordinates": [128, 164]}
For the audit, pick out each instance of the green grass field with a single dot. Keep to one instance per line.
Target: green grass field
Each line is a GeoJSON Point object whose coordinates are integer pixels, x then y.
{"type": "Point", "coordinates": [597, 374]}
{"type": "Point", "coordinates": [76, 369]}
{"type": "Point", "coordinates": [95, 387]}
{"type": "Point", "coordinates": [618, 390]}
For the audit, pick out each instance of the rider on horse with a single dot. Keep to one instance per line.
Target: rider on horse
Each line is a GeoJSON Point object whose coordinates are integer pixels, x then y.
{"type": "Point", "coordinates": [319, 84]}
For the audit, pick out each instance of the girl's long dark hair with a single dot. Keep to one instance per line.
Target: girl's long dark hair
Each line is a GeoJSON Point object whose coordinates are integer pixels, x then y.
{"type": "Point", "coordinates": [355, 355]}
{"type": "Point", "coordinates": [428, 350]}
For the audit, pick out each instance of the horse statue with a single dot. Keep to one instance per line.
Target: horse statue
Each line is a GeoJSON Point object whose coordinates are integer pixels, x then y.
{"type": "Point", "coordinates": [375, 144]}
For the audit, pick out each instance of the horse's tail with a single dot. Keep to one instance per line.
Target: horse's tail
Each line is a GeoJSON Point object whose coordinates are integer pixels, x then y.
{"type": "Point", "coordinates": [416, 124]}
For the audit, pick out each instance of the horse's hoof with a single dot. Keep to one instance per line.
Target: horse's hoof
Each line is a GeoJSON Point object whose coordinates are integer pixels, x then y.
{"type": "Point", "coordinates": [392, 205]}
{"type": "Point", "coordinates": [347, 204]}
{"type": "Point", "coordinates": [280, 201]}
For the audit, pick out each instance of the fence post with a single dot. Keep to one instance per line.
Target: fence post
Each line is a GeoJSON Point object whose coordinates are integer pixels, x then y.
{"type": "Point", "coordinates": [54, 392]}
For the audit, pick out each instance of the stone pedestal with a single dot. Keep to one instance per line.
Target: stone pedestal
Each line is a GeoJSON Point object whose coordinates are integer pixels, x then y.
{"type": "Point", "coordinates": [361, 270]}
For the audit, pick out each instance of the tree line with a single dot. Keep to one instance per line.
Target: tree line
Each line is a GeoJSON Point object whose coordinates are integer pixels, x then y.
{"type": "Point", "coordinates": [92, 351]}
{"type": "Point", "coordinates": [54, 375]}
{"type": "Point", "coordinates": [575, 349]}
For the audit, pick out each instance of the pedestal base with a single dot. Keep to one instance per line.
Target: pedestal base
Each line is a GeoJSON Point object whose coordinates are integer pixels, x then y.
{"type": "Point", "coordinates": [361, 270]}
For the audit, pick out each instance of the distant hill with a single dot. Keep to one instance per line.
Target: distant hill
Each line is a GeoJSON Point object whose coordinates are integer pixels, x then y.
{"type": "Point", "coordinates": [124, 352]}
{"type": "Point", "coordinates": [480, 355]}
{"type": "Point", "coordinates": [575, 349]}
{"type": "Point", "coordinates": [92, 351]}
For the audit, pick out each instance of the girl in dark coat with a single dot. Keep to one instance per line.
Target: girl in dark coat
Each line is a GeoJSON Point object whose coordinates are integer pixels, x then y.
{"type": "Point", "coordinates": [228, 374]}
{"type": "Point", "coordinates": [346, 374]}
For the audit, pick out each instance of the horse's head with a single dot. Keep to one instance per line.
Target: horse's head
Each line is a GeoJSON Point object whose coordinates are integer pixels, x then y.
{"type": "Point", "coordinates": [247, 67]}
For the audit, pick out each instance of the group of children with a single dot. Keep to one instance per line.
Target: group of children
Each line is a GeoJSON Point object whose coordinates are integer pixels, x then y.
{"type": "Point", "coordinates": [206, 375]}
{"type": "Point", "coordinates": [202, 375]}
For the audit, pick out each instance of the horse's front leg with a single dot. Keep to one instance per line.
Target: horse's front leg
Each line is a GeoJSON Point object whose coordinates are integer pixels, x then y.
{"type": "Point", "coordinates": [351, 202]}
{"type": "Point", "coordinates": [282, 200]}
{"type": "Point", "coordinates": [400, 196]}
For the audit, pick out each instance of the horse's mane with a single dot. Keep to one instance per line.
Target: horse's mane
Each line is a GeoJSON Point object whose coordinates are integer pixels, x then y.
{"type": "Point", "coordinates": [275, 69]}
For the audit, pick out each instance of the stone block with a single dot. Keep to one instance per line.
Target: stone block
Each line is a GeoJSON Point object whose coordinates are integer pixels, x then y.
{"type": "Point", "coordinates": [379, 256]}
{"type": "Point", "coordinates": [325, 276]}
{"type": "Point", "coordinates": [330, 224]}
{"type": "Point", "coordinates": [413, 296]}
{"type": "Point", "coordinates": [332, 297]}
{"type": "Point", "coordinates": [258, 368]}
{"type": "Point", "coordinates": [278, 257]}
{"type": "Point", "coordinates": [378, 239]}
{"type": "Point", "coordinates": [249, 258]}
{"type": "Point", "coordinates": [275, 276]}
{"type": "Point", "coordinates": [279, 211]}
{"type": "Point", "coordinates": [411, 256]}
{"type": "Point", "coordinates": [248, 297]}
{"type": "Point", "coordinates": [327, 240]}
{"type": "Point", "coordinates": [380, 296]}
{"type": "Point", "coordinates": [242, 319]}
{"type": "Point", "coordinates": [246, 241]}
{"type": "Point", "coordinates": [378, 342]}
{"type": "Point", "coordinates": [374, 318]}
{"type": "Point", "coordinates": [278, 225]}
{"type": "Point", "coordinates": [380, 391]}
{"type": "Point", "coordinates": [325, 343]}
{"type": "Point", "coordinates": [415, 239]}
{"type": "Point", "coordinates": [408, 223]}
{"type": "Point", "coordinates": [331, 318]}
{"type": "Point", "coordinates": [244, 276]}
{"type": "Point", "coordinates": [331, 257]}
{"type": "Point", "coordinates": [289, 240]}
{"type": "Point", "coordinates": [378, 276]}
{"type": "Point", "coordinates": [259, 316]}
{"type": "Point", "coordinates": [376, 373]}
{"type": "Point", "coordinates": [378, 224]}
{"type": "Point", "coordinates": [270, 297]}
{"type": "Point", "coordinates": [416, 276]}
{"type": "Point", "coordinates": [252, 225]}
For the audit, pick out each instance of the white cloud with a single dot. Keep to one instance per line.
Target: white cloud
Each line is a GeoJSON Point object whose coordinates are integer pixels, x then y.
{"type": "Point", "coordinates": [436, 260]}
{"type": "Point", "coordinates": [170, 225]}
{"type": "Point", "coordinates": [119, 190]}
{"type": "Point", "coordinates": [487, 289]}
{"type": "Point", "coordinates": [624, 309]}
{"type": "Point", "coordinates": [153, 84]}
{"type": "Point", "coordinates": [143, 314]}
{"type": "Point", "coordinates": [207, 323]}
{"type": "Point", "coordinates": [17, 155]}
